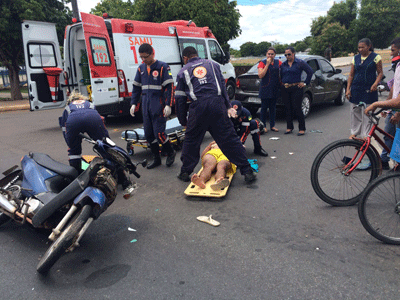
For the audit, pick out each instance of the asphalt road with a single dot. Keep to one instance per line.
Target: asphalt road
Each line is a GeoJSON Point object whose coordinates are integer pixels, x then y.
{"type": "Point", "coordinates": [277, 239]}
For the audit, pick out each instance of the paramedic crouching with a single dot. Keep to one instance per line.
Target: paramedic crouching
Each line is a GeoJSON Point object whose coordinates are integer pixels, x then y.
{"type": "Point", "coordinates": [201, 81]}
{"type": "Point", "coordinates": [154, 81]}
{"type": "Point", "coordinates": [78, 117]}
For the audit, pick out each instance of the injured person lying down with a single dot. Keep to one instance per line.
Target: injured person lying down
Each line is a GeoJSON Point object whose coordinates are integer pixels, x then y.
{"type": "Point", "coordinates": [214, 161]}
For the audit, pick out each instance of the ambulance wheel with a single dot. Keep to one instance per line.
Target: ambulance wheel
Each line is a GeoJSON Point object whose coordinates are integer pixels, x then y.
{"type": "Point", "coordinates": [230, 89]}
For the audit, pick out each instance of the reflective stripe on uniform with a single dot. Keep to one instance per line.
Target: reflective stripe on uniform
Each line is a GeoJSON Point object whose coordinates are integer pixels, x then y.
{"type": "Point", "coordinates": [180, 93]}
{"type": "Point", "coordinates": [136, 83]}
{"type": "Point", "coordinates": [189, 84]}
{"type": "Point", "coordinates": [91, 105]}
{"type": "Point", "coordinates": [152, 87]}
{"type": "Point", "coordinates": [74, 156]}
{"type": "Point", "coordinates": [68, 109]}
{"type": "Point", "coordinates": [255, 131]}
{"type": "Point", "coordinates": [245, 123]}
{"type": "Point", "coordinates": [168, 81]}
{"type": "Point", "coordinates": [216, 80]}
{"type": "Point", "coordinates": [63, 129]}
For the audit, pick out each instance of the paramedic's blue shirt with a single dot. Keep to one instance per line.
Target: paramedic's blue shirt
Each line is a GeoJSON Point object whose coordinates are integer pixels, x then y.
{"type": "Point", "coordinates": [293, 74]}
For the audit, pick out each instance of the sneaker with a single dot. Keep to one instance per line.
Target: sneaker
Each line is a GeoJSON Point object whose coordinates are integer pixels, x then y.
{"type": "Point", "coordinates": [129, 191]}
{"type": "Point", "coordinates": [185, 177]}
{"type": "Point", "coordinates": [385, 165]}
{"type": "Point", "coordinates": [250, 177]}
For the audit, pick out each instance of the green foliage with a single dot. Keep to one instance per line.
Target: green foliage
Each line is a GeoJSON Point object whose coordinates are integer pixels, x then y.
{"type": "Point", "coordinates": [346, 23]}
{"type": "Point", "coordinates": [300, 46]}
{"type": "Point", "coordinates": [379, 21]}
{"type": "Point", "coordinates": [260, 49]}
{"type": "Point", "coordinates": [247, 49]}
{"type": "Point", "coordinates": [235, 53]}
{"type": "Point", "coordinates": [115, 8]}
{"type": "Point", "coordinates": [334, 34]}
{"type": "Point", "coordinates": [221, 16]}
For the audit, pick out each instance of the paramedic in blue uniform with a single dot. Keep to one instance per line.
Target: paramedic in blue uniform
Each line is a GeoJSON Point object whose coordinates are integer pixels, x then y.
{"type": "Point", "coordinates": [154, 82]}
{"type": "Point", "coordinates": [245, 125]}
{"type": "Point", "coordinates": [201, 81]}
{"type": "Point", "coordinates": [80, 116]}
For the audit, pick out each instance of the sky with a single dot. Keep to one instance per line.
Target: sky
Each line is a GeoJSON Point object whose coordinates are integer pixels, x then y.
{"type": "Point", "coordinates": [283, 21]}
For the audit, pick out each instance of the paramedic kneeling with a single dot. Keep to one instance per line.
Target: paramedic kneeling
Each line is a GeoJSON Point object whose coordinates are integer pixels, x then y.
{"type": "Point", "coordinates": [154, 82]}
{"type": "Point", "coordinates": [201, 81]}
{"type": "Point", "coordinates": [244, 125]}
{"type": "Point", "coordinates": [80, 116]}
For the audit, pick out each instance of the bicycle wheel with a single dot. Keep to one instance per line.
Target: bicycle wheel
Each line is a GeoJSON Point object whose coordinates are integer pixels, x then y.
{"type": "Point", "coordinates": [64, 241]}
{"type": "Point", "coordinates": [328, 177]}
{"type": "Point", "coordinates": [379, 209]}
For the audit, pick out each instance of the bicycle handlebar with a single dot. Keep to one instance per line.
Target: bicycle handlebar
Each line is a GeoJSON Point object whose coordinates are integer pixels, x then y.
{"type": "Point", "coordinates": [372, 114]}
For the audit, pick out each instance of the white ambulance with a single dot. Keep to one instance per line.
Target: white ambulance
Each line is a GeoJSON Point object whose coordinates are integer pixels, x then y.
{"type": "Point", "coordinates": [101, 58]}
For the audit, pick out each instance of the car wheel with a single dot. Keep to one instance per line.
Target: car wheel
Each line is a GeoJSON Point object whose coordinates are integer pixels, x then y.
{"type": "Point", "coordinates": [230, 89]}
{"type": "Point", "coordinates": [341, 98]}
{"type": "Point", "coordinates": [306, 105]}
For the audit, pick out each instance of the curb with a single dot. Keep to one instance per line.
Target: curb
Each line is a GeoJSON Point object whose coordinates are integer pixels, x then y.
{"type": "Point", "coordinates": [15, 107]}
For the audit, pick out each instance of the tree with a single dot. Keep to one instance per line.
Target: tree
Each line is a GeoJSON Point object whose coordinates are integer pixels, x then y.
{"type": "Point", "coordinates": [343, 12]}
{"type": "Point", "coordinates": [379, 21]}
{"type": "Point", "coordinates": [247, 49]}
{"type": "Point", "coordinates": [221, 16]}
{"type": "Point", "coordinates": [13, 12]}
{"type": "Point", "coordinates": [261, 48]}
{"type": "Point", "coordinates": [115, 8]}
{"type": "Point", "coordinates": [333, 34]}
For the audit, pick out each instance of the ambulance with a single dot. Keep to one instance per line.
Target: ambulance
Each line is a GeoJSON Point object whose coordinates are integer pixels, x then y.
{"type": "Point", "coordinates": [101, 58]}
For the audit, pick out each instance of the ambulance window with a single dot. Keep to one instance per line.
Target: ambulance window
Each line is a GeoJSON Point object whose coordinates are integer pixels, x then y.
{"type": "Point", "coordinates": [41, 55]}
{"type": "Point", "coordinates": [100, 53]}
{"type": "Point", "coordinates": [215, 51]}
{"type": "Point", "coordinates": [200, 46]}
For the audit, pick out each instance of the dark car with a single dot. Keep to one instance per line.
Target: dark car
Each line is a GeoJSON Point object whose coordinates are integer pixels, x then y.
{"type": "Point", "coordinates": [327, 84]}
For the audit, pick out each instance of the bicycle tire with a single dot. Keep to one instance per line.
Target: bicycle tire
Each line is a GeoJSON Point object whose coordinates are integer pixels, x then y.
{"type": "Point", "coordinates": [328, 179]}
{"type": "Point", "coordinates": [64, 240]}
{"type": "Point", "coordinates": [379, 209]}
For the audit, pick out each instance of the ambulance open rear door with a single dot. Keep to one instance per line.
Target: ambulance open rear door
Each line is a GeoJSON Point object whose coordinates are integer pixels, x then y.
{"type": "Point", "coordinates": [43, 65]}
{"type": "Point", "coordinates": [103, 71]}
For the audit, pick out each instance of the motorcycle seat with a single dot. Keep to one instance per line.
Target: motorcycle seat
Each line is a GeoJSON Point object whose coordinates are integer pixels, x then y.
{"type": "Point", "coordinates": [47, 162]}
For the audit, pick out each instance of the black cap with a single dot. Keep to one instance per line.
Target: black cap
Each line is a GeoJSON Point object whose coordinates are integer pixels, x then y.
{"type": "Point", "coordinates": [238, 106]}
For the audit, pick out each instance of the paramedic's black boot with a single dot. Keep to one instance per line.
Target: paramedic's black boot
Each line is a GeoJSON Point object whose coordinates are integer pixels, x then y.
{"type": "Point", "coordinates": [155, 150]}
{"type": "Point", "coordinates": [250, 177]}
{"type": "Point", "coordinates": [167, 147]}
{"type": "Point", "coordinates": [260, 151]}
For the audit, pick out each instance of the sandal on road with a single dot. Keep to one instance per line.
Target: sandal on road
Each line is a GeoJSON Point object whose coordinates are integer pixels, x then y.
{"type": "Point", "coordinates": [208, 220]}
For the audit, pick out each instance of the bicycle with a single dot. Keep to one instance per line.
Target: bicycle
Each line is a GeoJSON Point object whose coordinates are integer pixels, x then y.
{"type": "Point", "coordinates": [344, 168]}
{"type": "Point", "coordinates": [379, 208]}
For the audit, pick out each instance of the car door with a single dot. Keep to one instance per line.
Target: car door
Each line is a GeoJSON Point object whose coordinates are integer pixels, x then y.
{"type": "Point", "coordinates": [41, 51]}
{"type": "Point", "coordinates": [318, 87]}
{"type": "Point", "coordinates": [103, 71]}
{"type": "Point", "coordinates": [333, 85]}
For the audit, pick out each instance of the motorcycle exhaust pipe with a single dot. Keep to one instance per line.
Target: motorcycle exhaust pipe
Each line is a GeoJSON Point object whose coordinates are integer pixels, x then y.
{"type": "Point", "coordinates": [4, 203]}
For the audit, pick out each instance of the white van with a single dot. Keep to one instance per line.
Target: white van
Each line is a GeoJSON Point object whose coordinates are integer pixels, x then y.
{"type": "Point", "coordinates": [101, 58]}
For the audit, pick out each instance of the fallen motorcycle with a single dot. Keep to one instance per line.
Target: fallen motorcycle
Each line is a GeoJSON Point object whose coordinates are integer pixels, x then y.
{"type": "Point", "coordinates": [49, 194]}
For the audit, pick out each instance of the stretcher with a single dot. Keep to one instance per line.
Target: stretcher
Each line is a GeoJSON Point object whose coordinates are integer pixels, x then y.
{"type": "Point", "coordinates": [194, 190]}
{"type": "Point", "coordinates": [173, 129]}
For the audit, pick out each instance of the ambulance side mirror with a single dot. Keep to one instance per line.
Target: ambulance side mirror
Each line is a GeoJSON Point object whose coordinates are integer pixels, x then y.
{"type": "Point", "coordinates": [227, 57]}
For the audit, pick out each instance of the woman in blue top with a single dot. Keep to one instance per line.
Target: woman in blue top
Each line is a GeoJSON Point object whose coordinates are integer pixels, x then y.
{"type": "Point", "coordinates": [362, 85]}
{"type": "Point", "coordinates": [292, 89]}
{"type": "Point", "coordinates": [268, 71]}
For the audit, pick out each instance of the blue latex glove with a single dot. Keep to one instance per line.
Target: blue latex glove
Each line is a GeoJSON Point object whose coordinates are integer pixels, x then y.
{"type": "Point", "coordinates": [253, 164]}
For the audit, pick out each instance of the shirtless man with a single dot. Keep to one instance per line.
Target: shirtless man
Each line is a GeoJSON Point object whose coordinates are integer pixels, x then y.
{"type": "Point", "coordinates": [213, 160]}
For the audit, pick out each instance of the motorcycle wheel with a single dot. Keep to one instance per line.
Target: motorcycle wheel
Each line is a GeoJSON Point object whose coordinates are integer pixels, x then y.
{"type": "Point", "coordinates": [64, 240]}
